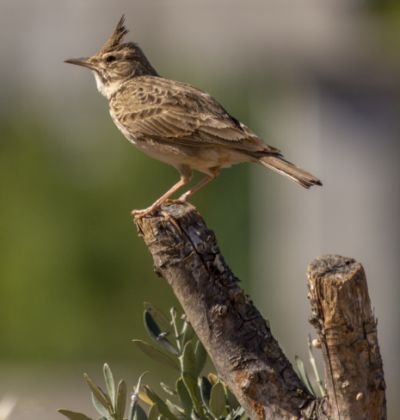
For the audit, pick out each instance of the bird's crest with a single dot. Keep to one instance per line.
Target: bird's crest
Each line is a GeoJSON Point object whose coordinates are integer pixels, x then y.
{"type": "Point", "coordinates": [117, 36]}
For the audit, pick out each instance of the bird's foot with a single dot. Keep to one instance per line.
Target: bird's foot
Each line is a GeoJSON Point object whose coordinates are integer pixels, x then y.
{"type": "Point", "coordinates": [139, 214]}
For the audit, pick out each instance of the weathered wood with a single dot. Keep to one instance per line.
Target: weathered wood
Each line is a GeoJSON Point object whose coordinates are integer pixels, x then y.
{"type": "Point", "coordinates": [237, 338]}
{"type": "Point", "coordinates": [345, 323]}
{"type": "Point", "coordinates": [240, 343]}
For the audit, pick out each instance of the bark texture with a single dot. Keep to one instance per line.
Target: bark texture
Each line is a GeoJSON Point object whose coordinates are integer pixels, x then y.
{"type": "Point", "coordinates": [240, 343]}
{"type": "Point", "coordinates": [237, 338]}
{"type": "Point", "coordinates": [347, 329]}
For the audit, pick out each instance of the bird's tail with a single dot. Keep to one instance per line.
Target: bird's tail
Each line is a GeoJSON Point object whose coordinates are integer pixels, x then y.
{"type": "Point", "coordinates": [282, 166]}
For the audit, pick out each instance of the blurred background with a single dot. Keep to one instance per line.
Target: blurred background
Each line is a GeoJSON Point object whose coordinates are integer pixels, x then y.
{"type": "Point", "coordinates": [319, 80]}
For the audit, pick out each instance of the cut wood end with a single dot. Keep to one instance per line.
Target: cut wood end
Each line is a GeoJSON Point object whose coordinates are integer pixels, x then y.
{"type": "Point", "coordinates": [323, 268]}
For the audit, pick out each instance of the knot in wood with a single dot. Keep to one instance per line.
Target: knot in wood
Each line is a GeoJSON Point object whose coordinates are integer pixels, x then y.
{"type": "Point", "coordinates": [219, 311]}
{"type": "Point", "coordinates": [360, 396]}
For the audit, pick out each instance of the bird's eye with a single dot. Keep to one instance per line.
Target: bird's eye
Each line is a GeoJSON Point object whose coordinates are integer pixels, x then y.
{"type": "Point", "coordinates": [110, 58]}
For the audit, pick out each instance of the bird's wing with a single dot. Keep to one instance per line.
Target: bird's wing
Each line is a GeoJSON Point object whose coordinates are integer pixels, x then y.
{"type": "Point", "coordinates": [170, 111]}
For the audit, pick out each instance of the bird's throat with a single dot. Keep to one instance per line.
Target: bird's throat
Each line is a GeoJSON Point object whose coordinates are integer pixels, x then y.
{"type": "Point", "coordinates": [106, 88]}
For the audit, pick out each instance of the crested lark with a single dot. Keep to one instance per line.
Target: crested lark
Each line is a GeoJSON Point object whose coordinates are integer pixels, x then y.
{"type": "Point", "coordinates": [175, 122]}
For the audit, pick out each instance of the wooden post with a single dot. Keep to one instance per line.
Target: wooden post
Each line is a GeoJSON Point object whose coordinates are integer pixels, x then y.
{"type": "Point", "coordinates": [346, 326]}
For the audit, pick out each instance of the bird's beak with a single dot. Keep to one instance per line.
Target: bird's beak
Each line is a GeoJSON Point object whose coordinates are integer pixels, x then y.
{"type": "Point", "coordinates": [84, 62]}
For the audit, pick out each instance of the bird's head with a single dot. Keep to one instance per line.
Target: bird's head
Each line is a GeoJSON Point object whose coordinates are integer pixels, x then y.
{"type": "Point", "coordinates": [116, 62]}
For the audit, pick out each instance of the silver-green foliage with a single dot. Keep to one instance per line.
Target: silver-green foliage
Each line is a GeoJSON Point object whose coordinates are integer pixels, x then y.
{"type": "Point", "coordinates": [192, 396]}
{"type": "Point", "coordinates": [315, 387]}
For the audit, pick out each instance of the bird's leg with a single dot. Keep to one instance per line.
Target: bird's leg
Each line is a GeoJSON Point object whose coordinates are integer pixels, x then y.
{"type": "Point", "coordinates": [186, 176]}
{"type": "Point", "coordinates": [200, 184]}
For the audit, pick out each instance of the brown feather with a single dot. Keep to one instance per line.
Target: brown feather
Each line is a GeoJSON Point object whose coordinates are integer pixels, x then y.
{"type": "Point", "coordinates": [194, 118]}
{"type": "Point", "coordinates": [117, 36]}
{"type": "Point", "coordinates": [282, 166]}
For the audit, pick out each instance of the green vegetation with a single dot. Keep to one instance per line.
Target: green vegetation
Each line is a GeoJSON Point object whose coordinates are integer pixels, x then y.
{"type": "Point", "coordinates": [192, 396]}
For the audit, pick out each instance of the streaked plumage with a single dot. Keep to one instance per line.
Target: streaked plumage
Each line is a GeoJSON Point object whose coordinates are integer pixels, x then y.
{"type": "Point", "coordinates": [175, 122]}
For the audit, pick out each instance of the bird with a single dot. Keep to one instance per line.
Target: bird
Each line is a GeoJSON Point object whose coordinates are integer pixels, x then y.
{"type": "Point", "coordinates": [176, 122]}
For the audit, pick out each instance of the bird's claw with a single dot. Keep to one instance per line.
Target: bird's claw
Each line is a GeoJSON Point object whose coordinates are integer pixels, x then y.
{"type": "Point", "coordinates": [139, 214]}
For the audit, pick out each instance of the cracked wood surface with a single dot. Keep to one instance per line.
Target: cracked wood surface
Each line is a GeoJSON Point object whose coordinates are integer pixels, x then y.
{"type": "Point", "coordinates": [347, 328]}
{"type": "Point", "coordinates": [240, 343]}
{"type": "Point", "coordinates": [237, 338]}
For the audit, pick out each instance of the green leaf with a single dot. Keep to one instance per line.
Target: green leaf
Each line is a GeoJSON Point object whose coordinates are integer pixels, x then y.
{"type": "Point", "coordinates": [137, 394]}
{"type": "Point", "coordinates": [153, 413]}
{"type": "Point", "coordinates": [121, 400]}
{"type": "Point", "coordinates": [184, 397]}
{"type": "Point", "coordinates": [230, 398]}
{"type": "Point", "coordinates": [200, 355]}
{"type": "Point", "coordinates": [162, 407]}
{"type": "Point", "coordinates": [144, 398]}
{"type": "Point", "coordinates": [301, 371]}
{"type": "Point", "coordinates": [109, 381]}
{"type": "Point", "coordinates": [157, 354]}
{"type": "Point", "coordinates": [240, 413]}
{"type": "Point", "coordinates": [188, 361]}
{"type": "Point", "coordinates": [188, 367]}
{"type": "Point", "coordinates": [319, 390]}
{"type": "Point", "coordinates": [168, 346]}
{"type": "Point", "coordinates": [72, 415]}
{"type": "Point", "coordinates": [187, 332]}
{"type": "Point", "coordinates": [151, 326]}
{"type": "Point", "coordinates": [103, 411]}
{"type": "Point", "coordinates": [205, 390]}
{"type": "Point", "coordinates": [175, 410]}
{"type": "Point", "coordinates": [137, 413]}
{"type": "Point", "coordinates": [100, 395]}
{"type": "Point", "coordinates": [217, 400]}
{"type": "Point", "coordinates": [156, 334]}
{"type": "Point", "coordinates": [158, 316]}
{"type": "Point", "coordinates": [194, 393]}
{"type": "Point", "coordinates": [139, 384]}
{"type": "Point", "coordinates": [177, 335]}
{"type": "Point", "coordinates": [167, 389]}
